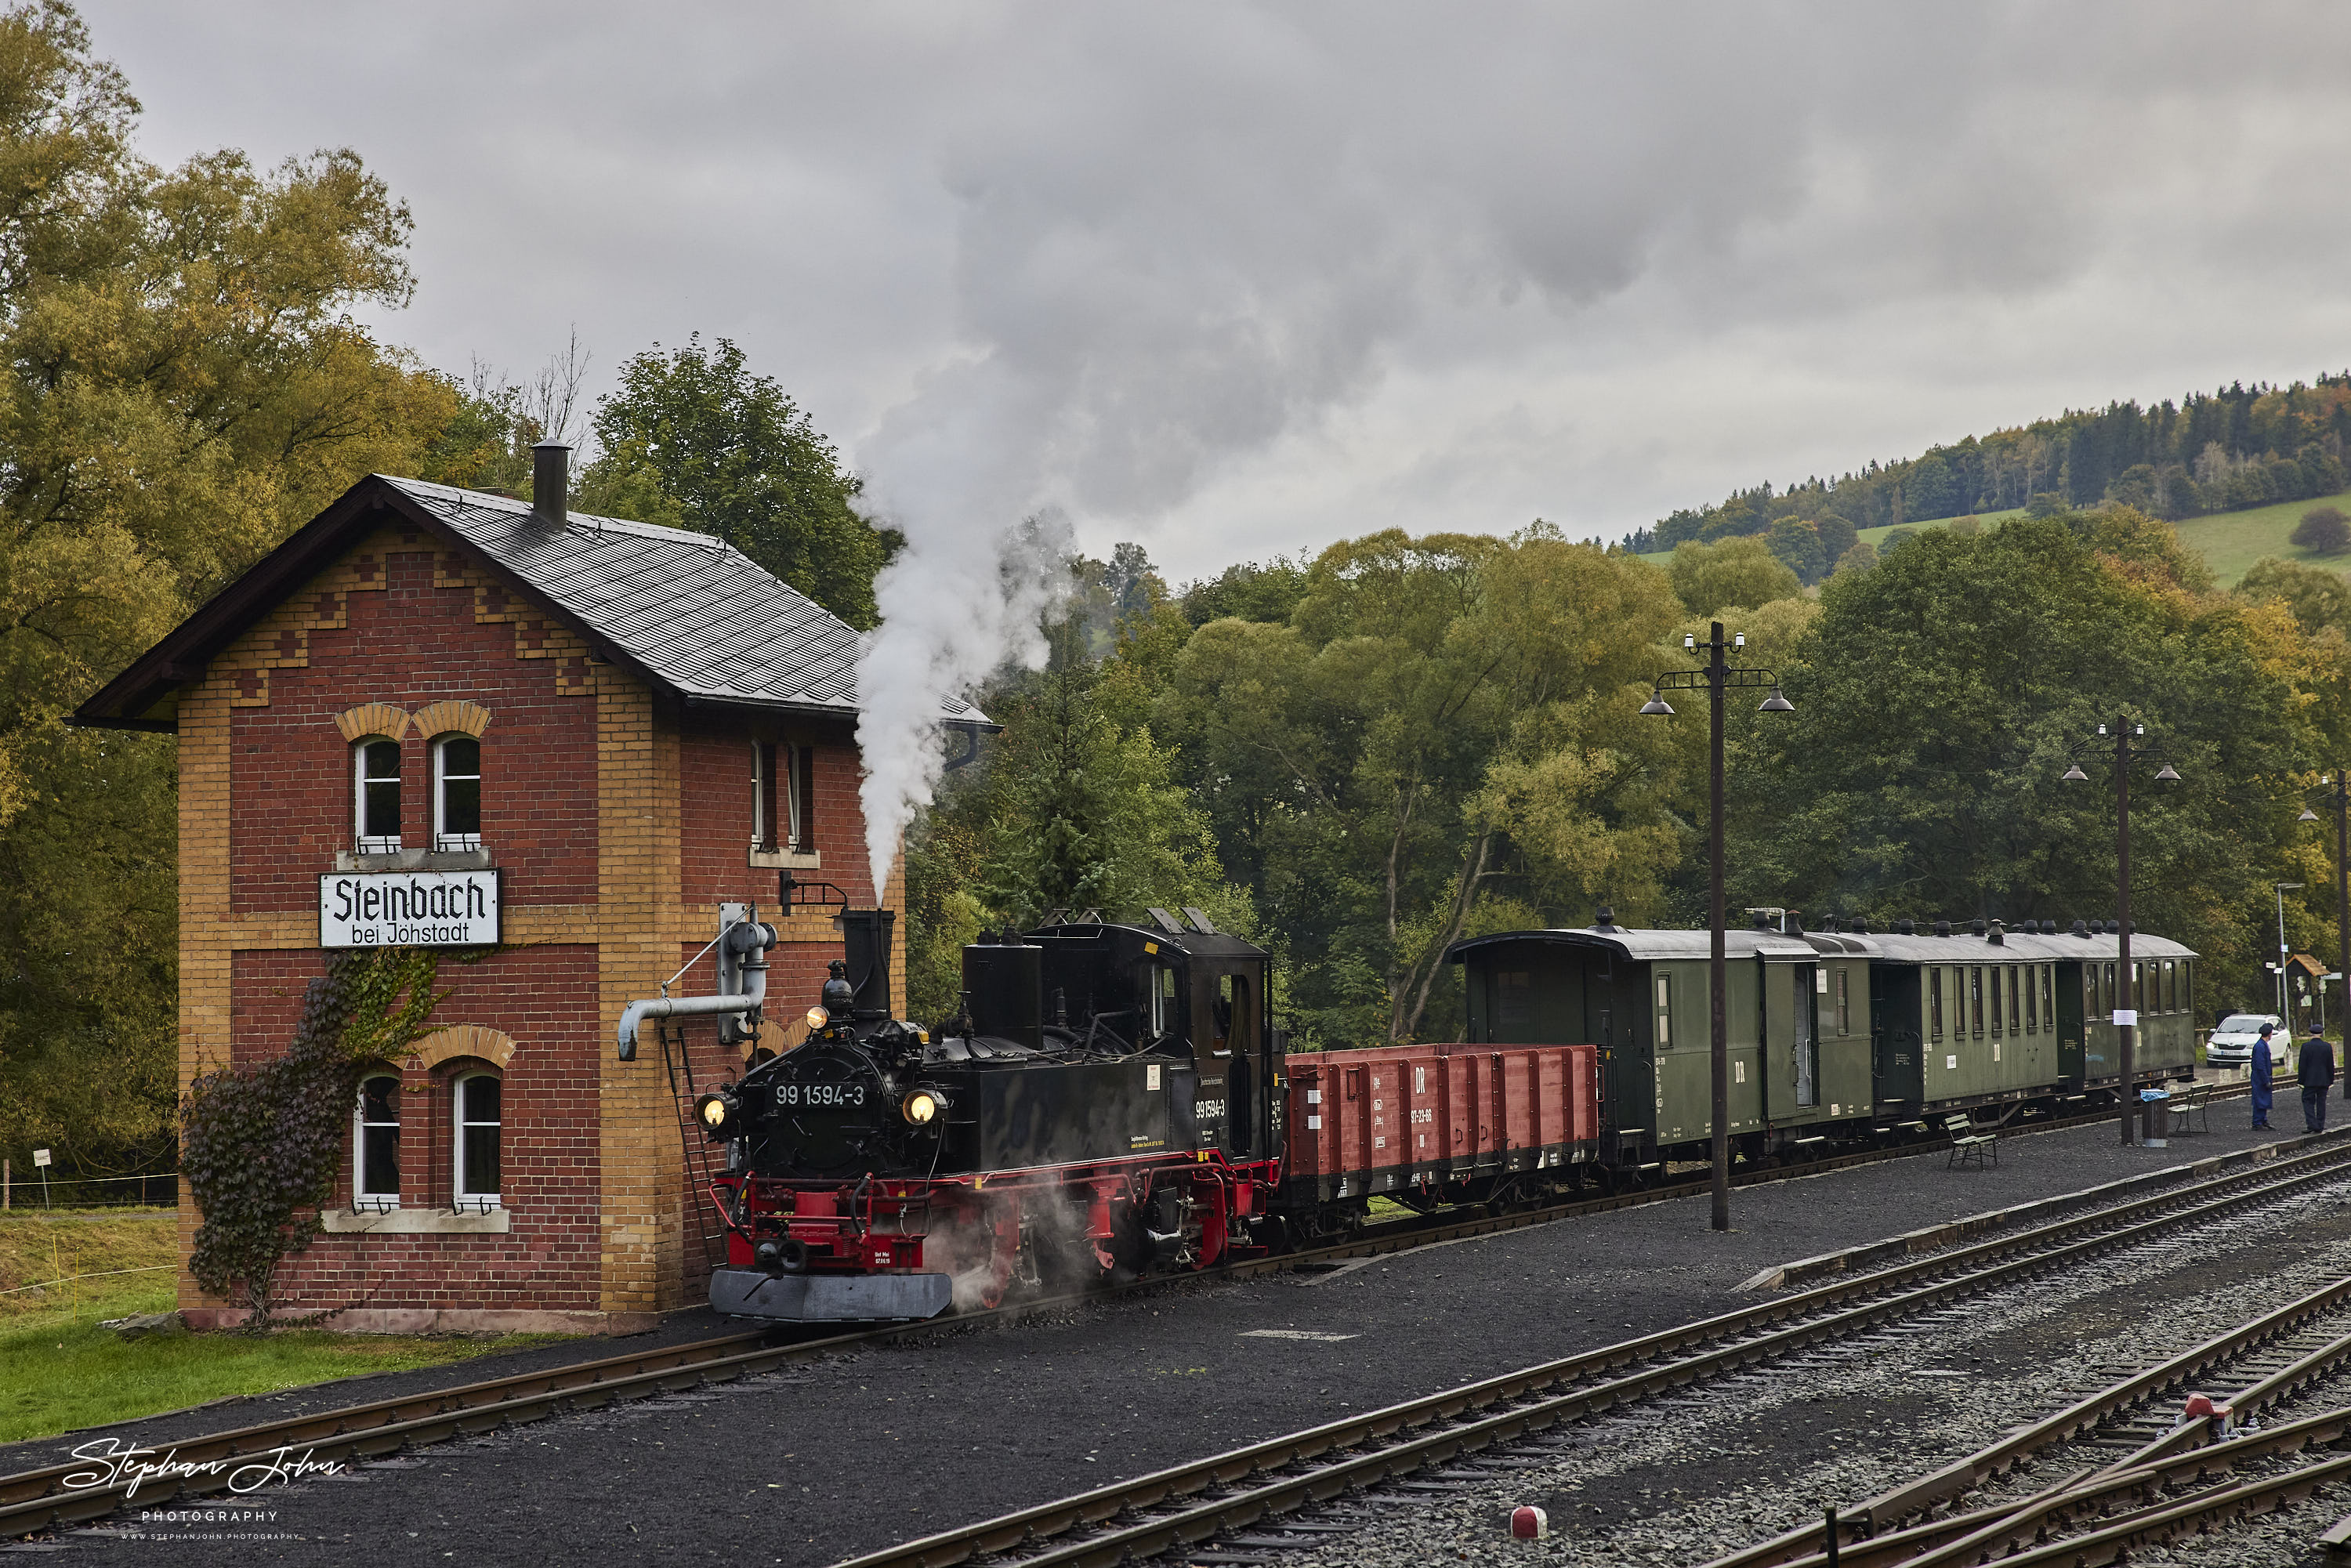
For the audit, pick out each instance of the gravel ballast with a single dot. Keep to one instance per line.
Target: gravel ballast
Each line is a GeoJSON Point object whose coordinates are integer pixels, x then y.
{"type": "Point", "coordinates": [822, 1461]}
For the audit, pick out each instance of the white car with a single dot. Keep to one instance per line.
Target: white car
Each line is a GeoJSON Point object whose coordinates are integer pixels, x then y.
{"type": "Point", "coordinates": [2231, 1043]}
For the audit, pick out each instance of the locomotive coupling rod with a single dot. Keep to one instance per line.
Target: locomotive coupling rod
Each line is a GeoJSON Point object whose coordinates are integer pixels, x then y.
{"type": "Point", "coordinates": [749, 937]}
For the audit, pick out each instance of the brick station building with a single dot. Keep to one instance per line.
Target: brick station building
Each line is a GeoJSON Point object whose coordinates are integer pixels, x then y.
{"type": "Point", "coordinates": [607, 728]}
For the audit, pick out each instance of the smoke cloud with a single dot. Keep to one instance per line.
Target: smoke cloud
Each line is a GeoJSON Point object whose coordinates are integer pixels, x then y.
{"type": "Point", "coordinates": [956, 606]}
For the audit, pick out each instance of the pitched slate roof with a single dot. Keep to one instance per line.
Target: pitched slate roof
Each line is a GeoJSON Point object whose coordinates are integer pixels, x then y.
{"type": "Point", "coordinates": [688, 611]}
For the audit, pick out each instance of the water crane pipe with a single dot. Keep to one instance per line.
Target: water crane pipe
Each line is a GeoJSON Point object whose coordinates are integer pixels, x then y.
{"type": "Point", "coordinates": [746, 942]}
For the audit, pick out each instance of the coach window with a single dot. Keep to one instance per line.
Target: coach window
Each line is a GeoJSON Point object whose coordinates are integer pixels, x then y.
{"type": "Point", "coordinates": [375, 795]}
{"type": "Point", "coordinates": [2015, 1018]}
{"type": "Point", "coordinates": [477, 1124]}
{"type": "Point", "coordinates": [1844, 1006]}
{"type": "Point", "coordinates": [1665, 1012]}
{"type": "Point", "coordinates": [2032, 999]}
{"type": "Point", "coordinates": [1997, 1015]}
{"type": "Point", "coordinates": [375, 1145]}
{"type": "Point", "coordinates": [1975, 1001]}
{"type": "Point", "coordinates": [456, 793]}
{"type": "Point", "coordinates": [1935, 1003]}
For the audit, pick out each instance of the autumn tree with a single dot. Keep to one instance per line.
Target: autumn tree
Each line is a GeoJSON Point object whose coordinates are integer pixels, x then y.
{"type": "Point", "coordinates": [693, 439]}
{"type": "Point", "coordinates": [184, 385]}
{"type": "Point", "coordinates": [2323, 530]}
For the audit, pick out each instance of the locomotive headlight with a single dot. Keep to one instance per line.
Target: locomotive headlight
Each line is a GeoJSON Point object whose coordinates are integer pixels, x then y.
{"type": "Point", "coordinates": [714, 1109]}
{"type": "Point", "coordinates": [922, 1106]}
{"type": "Point", "coordinates": [817, 1018]}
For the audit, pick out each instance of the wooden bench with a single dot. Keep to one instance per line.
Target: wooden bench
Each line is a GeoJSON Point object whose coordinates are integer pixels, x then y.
{"type": "Point", "coordinates": [2186, 1101]}
{"type": "Point", "coordinates": [1967, 1144]}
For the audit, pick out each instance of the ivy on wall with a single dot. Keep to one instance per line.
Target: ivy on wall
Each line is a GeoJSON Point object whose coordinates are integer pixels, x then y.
{"type": "Point", "coordinates": [261, 1145]}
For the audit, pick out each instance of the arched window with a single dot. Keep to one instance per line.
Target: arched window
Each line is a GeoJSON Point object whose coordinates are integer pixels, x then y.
{"type": "Point", "coordinates": [375, 795]}
{"type": "Point", "coordinates": [375, 1143]}
{"type": "Point", "coordinates": [477, 1121]}
{"type": "Point", "coordinates": [456, 793]}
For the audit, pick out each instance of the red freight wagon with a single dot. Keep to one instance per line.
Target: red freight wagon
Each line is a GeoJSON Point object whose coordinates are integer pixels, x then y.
{"type": "Point", "coordinates": [1450, 1122]}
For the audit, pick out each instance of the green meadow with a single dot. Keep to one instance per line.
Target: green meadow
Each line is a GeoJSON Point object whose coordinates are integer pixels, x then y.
{"type": "Point", "coordinates": [2229, 541]}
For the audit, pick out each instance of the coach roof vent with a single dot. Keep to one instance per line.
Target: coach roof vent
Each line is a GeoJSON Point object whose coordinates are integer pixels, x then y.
{"type": "Point", "coordinates": [1604, 918]}
{"type": "Point", "coordinates": [1997, 935]}
{"type": "Point", "coordinates": [550, 483]}
{"type": "Point", "coordinates": [1942, 928]}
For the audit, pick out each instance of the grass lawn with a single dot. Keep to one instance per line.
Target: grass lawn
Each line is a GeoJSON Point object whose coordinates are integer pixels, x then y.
{"type": "Point", "coordinates": [2231, 542]}
{"type": "Point", "coordinates": [60, 1371]}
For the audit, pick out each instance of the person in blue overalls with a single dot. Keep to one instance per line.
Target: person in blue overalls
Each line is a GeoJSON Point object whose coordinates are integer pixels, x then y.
{"type": "Point", "coordinates": [2261, 1063]}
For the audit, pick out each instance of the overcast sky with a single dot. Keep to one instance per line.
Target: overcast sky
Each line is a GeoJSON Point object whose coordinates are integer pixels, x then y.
{"type": "Point", "coordinates": [1235, 279]}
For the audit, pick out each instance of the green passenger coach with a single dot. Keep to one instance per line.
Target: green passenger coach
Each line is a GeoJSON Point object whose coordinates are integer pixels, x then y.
{"type": "Point", "coordinates": [1796, 1018]}
{"type": "Point", "coordinates": [1835, 1038]}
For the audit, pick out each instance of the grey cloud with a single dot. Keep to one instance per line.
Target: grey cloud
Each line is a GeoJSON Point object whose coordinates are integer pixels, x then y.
{"type": "Point", "coordinates": [1234, 278]}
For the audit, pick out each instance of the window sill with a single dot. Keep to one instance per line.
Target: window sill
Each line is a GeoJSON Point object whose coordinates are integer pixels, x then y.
{"type": "Point", "coordinates": [419, 1222]}
{"type": "Point", "coordinates": [412, 860]}
{"type": "Point", "coordinates": [784, 859]}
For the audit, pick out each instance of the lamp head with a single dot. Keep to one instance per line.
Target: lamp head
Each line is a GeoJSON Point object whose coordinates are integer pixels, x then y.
{"type": "Point", "coordinates": [1775, 703]}
{"type": "Point", "coordinates": [1656, 705]}
{"type": "Point", "coordinates": [2075, 775]}
{"type": "Point", "coordinates": [2168, 774]}
{"type": "Point", "coordinates": [2307, 815]}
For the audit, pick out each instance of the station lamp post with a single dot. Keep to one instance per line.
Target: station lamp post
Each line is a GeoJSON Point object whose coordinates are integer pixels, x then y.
{"type": "Point", "coordinates": [2337, 786]}
{"type": "Point", "coordinates": [1715, 678]}
{"type": "Point", "coordinates": [2127, 735]}
{"type": "Point", "coordinates": [2285, 995]}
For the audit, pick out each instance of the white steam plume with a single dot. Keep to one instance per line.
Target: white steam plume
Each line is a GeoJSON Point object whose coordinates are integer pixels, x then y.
{"type": "Point", "coordinates": [956, 605]}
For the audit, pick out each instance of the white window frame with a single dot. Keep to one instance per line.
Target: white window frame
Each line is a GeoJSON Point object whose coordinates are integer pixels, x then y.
{"type": "Point", "coordinates": [363, 1198]}
{"type": "Point", "coordinates": [484, 1202]}
{"type": "Point", "coordinates": [442, 839]}
{"type": "Point", "coordinates": [376, 844]}
{"type": "Point", "coordinates": [786, 835]}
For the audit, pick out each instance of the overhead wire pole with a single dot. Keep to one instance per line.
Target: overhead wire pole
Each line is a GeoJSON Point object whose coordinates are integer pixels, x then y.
{"type": "Point", "coordinates": [2126, 1006]}
{"type": "Point", "coordinates": [1718, 971]}
{"type": "Point", "coordinates": [1716, 678]}
{"type": "Point", "coordinates": [2125, 1017]}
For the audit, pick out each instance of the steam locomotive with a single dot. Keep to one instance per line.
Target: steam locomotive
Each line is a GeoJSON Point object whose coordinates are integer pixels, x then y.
{"type": "Point", "coordinates": [1113, 1100]}
{"type": "Point", "coordinates": [1105, 1103]}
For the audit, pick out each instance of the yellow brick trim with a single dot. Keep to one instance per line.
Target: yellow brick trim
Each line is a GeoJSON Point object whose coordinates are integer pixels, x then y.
{"type": "Point", "coordinates": [372, 718]}
{"type": "Point", "coordinates": [460, 1039]}
{"type": "Point", "coordinates": [453, 715]}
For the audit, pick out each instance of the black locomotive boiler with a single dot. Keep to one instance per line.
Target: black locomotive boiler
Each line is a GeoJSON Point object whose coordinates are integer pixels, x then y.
{"type": "Point", "coordinates": [1104, 1102]}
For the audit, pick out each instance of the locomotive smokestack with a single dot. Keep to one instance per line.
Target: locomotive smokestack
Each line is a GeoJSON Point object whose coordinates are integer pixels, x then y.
{"type": "Point", "coordinates": [550, 483]}
{"type": "Point", "coordinates": [865, 943]}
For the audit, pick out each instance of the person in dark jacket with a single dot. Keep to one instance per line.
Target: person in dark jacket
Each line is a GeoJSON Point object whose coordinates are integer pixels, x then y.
{"type": "Point", "coordinates": [2262, 1063]}
{"type": "Point", "coordinates": [2317, 1076]}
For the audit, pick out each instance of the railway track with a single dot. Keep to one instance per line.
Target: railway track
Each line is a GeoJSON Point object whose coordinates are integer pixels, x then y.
{"type": "Point", "coordinates": [2133, 1458]}
{"type": "Point", "coordinates": [1232, 1491]}
{"type": "Point", "coordinates": [47, 1497]}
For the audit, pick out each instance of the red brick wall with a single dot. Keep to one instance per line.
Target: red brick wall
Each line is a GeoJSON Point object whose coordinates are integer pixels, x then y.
{"type": "Point", "coordinates": [290, 789]}
{"type": "Point", "coordinates": [715, 814]}
{"type": "Point", "coordinates": [545, 999]}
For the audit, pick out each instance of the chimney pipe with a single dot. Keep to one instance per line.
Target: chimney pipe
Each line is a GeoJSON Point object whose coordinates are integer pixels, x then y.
{"type": "Point", "coordinates": [550, 483]}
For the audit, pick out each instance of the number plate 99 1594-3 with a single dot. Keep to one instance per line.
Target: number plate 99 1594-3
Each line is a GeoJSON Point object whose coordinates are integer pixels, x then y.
{"type": "Point", "coordinates": [820, 1095]}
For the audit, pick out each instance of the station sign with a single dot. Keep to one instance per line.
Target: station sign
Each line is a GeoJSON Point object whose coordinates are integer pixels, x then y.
{"type": "Point", "coordinates": [408, 909]}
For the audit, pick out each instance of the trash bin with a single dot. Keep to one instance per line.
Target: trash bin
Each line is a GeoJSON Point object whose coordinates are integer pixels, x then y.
{"type": "Point", "coordinates": [2155, 1106]}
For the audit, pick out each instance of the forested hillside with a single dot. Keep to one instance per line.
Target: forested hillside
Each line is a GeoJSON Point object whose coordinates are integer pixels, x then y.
{"type": "Point", "coordinates": [1364, 757]}
{"type": "Point", "coordinates": [2211, 452]}
{"type": "Point", "coordinates": [1359, 756]}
